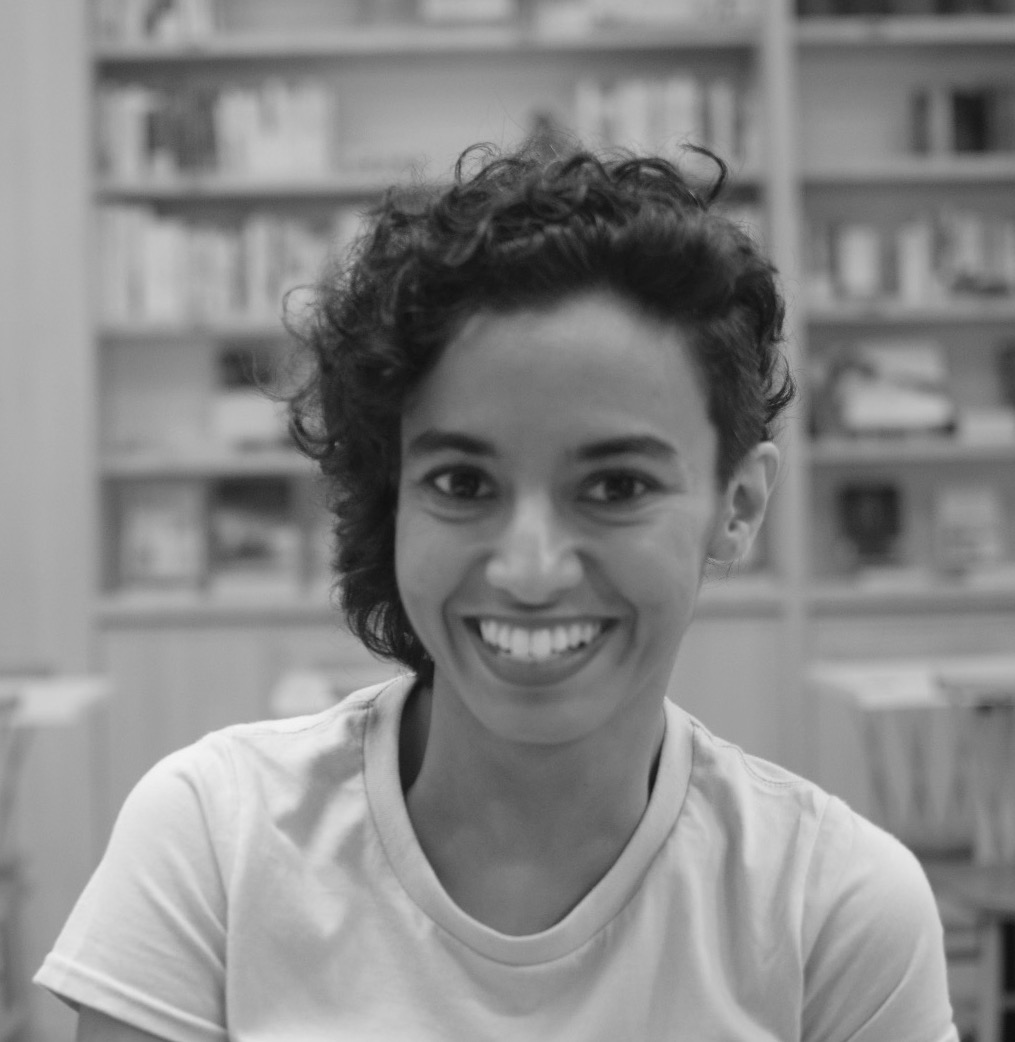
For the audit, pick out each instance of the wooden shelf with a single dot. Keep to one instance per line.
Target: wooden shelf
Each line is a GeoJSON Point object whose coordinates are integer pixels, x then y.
{"type": "Point", "coordinates": [959, 309]}
{"type": "Point", "coordinates": [959, 169]}
{"type": "Point", "coordinates": [753, 594]}
{"type": "Point", "coordinates": [905, 449]}
{"type": "Point", "coordinates": [163, 332]}
{"type": "Point", "coordinates": [743, 595]}
{"type": "Point", "coordinates": [914, 590]}
{"type": "Point", "coordinates": [378, 42]}
{"type": "Point", "coordinates": [339, 187]}
{"type": "Point", "coordinates": [205, 464]}
{"type": "Point", "coordinates": [932, 31]}
{"type": "Point", "coordinates": [184, 606]}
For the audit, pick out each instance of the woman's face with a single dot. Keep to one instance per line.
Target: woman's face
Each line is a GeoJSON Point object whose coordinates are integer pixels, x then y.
{"type": "Point", "coordinates": [557, 502]}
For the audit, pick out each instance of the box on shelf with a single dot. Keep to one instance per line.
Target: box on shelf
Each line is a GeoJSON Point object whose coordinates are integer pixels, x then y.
{"type": "Point", "coordinates": [255, 541]}
{"type": "Point", "coordinates": [162, 534]}
{"type": "Point", "coordinates": [969, 527]}
{"type": "Point", "coordinates": [244, 415]}
{"type": "Point", "coordinates": [885, 386]}
{"type": "Point", "coordinates": [870, 523]}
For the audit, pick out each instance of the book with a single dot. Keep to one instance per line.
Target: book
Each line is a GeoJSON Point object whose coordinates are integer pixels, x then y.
{"type": "Point", "coordinates": [161, 268]}
{"type": "Point", "coordinates": [858, 260]}
{"type": "Point", "coordinates": [969, 526]}
{"type": "Point", "coordinates": [162, 534]}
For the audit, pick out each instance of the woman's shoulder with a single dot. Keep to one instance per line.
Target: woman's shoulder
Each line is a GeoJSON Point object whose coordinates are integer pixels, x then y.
{"type": "Point", "coordinates": [767, 813]}
{"type": "Point", "coordinates": [269, 759]}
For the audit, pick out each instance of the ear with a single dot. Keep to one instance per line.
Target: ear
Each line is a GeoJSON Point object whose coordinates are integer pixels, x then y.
{"type": "Point", "coordinates": [743, 502]}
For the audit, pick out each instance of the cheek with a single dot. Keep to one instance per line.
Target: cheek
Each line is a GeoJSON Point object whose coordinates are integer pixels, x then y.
{"type": "Point", "coordinates": [424, 568]}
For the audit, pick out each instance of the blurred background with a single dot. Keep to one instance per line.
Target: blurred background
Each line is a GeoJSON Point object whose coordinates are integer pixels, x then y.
{"type": "Point", "coordinates": [170, 168]}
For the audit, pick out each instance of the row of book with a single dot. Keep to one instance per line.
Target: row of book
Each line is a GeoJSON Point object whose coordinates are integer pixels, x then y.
{"type": "Point", "coordinates": [662, 114]}
{"type": "Point", "coordinates": [947, 119]}
{"type": "Point", "coordinates": [233, 535]}
{"type": "Point", "coordinates": [188, 21]}
{"type": "Point", "coordinates": [918, 262]}
{"type": "Point", "coordinates": [278, 128]}
{"type": "Point", "coordinates": [169, 21]}
{"type": "Point", "coordinates": [161, 268]}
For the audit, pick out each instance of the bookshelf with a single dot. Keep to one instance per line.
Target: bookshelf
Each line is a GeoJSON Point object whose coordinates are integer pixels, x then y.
{"type": "Point", "coordinates": [191, 647]}
{"type": "Point", "coordinates": [871, 187]}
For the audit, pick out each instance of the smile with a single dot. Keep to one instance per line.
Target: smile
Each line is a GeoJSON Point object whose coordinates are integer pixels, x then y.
{"type": "Point", "coordinates": [542, 644]}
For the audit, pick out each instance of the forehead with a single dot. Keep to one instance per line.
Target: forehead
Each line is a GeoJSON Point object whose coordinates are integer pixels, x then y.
{"type": "Point", "coordinates": [591, 366]}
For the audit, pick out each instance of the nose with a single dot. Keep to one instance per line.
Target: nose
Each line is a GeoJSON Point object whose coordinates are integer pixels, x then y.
{"type": "Point", "coordinates": [535, 558]}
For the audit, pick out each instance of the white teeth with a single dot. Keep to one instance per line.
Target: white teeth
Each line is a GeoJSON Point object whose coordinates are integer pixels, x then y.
{"type": "Point", "coordinates": [537, 645]}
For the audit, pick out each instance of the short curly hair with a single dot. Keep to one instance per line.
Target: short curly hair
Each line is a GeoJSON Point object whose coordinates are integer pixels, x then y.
{"type": "Point", "coordinates": [515, 231]}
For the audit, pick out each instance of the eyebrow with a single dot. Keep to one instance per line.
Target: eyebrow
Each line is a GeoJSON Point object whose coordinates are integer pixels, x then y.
{"type": "Point", "coordinates": [627, 445]}
{"type": "Point", "coordinates": [432, 440]}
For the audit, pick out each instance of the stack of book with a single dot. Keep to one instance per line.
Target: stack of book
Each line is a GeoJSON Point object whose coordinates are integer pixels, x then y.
{"type": "Point", "coordinates": [280, 128]}
{"type": "Point", "coordinates": [663, 114]}
{"type": "Point", "coordinates": [162, 268]}
{"type": "Point", "coordinates": [918, 262]}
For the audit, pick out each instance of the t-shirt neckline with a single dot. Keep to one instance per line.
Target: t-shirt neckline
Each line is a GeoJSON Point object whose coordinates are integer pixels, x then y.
{"type": "Point", "coordinates": [598, 908]}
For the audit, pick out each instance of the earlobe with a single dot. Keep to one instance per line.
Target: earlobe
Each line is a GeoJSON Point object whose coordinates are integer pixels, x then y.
{"type": "Point", "coordinates": [743, 503]}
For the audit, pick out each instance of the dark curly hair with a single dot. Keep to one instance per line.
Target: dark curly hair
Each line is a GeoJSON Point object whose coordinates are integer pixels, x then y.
{"type": "Point", "coordinates": [521, 231]}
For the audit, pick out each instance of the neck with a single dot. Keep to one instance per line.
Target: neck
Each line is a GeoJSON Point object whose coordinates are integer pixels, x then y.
{"type": "Point", "coordinates": [554, 818]}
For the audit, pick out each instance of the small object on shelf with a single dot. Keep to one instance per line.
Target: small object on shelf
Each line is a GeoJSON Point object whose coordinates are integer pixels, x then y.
{"type": "Point", "coordinates": [162, 538]}
{"type": "Point", "coordinates": [969, 528]}
{"type": "Point", "coordinates": [243, 415]}
{"type": "Point", "coordinates": [858, 261]}
{"type": "Point", "coordinates": [987, 426]}
{"type": "Point", "coordinates": [255, 541]}
{"type": "Point", "coordinates": [1006, 372]}
{"type": "Point", "coordinates": [870, 520]}
{"type": "Point", "coordinates": [888, 386]}
{"type": "Point", "coordinates": [165, 21]}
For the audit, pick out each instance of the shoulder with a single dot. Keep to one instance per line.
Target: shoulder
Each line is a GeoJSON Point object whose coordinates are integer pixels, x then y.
{"type": "Point", "coordinates": [873, 938]}
{"type": "Point", "coordinates": [753, 798]}
{"type": "Point", "coordinates": [207, 788]}
{"type": "Point", "coordinates": [867, 929]}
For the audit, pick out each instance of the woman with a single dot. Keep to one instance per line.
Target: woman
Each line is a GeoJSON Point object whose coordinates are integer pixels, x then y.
{"type": "Point", "coordinates": [544, 401]}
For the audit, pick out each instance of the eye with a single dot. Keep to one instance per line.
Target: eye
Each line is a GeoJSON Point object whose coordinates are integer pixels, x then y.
{"type": "Point", "coordinates": [618, 488]}
{"type": "Point", "coordinates": [462, 483]}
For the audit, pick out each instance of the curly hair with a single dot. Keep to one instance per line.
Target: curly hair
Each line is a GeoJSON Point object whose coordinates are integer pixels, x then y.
{"type": "Point", "coordinates": [521, 231]}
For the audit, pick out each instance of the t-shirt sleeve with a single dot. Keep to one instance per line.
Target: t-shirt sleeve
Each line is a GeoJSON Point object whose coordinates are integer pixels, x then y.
{"type": "Point", "coordinates": [146, 941]}
{"type": "Point", "coordinates": [875, 969]}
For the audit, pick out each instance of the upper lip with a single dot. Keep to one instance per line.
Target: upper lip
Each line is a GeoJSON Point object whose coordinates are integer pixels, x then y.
{"type": "Point", "coordinates": [537, 623]}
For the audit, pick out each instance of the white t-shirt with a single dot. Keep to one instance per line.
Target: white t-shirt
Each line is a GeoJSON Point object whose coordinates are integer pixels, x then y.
{"type": "Point", "coordinates": [266, 884]}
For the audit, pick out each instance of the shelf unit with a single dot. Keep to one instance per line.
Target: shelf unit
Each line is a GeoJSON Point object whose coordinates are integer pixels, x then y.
{"type": "Point", "coordinates": [855, 167]}
{"type": "Point", "coordinates": [170, 645]}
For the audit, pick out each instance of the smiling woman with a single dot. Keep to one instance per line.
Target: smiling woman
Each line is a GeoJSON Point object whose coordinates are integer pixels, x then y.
{"type": "Point", "coordinates": [544, 399]}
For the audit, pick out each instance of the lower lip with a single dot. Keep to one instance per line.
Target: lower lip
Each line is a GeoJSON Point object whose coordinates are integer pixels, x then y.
{"type": "Point", "coordinates": [530, 672]}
